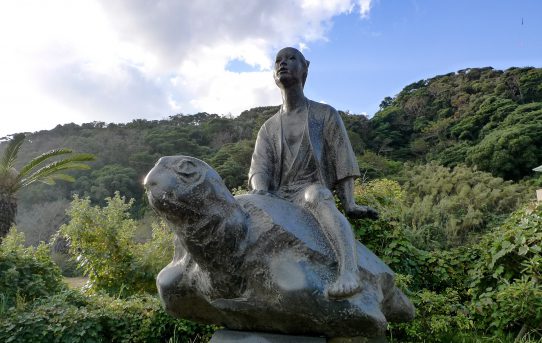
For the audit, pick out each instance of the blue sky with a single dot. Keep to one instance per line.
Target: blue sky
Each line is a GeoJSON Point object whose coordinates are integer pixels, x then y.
{"type": "Point", "coordinates": [406, 41]}
{"type": "Point", "coordinates": [94, 60]}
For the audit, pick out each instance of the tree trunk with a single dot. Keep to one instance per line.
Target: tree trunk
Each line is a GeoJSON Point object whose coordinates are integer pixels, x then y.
{"type": "Point", "coordinates": [8, 211]}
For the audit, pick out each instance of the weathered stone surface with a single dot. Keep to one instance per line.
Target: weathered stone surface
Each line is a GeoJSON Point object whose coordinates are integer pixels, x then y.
{"type": "Point", "coordinates": [260, 263]}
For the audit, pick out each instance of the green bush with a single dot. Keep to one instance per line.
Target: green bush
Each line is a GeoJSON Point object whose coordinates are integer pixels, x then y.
{"type": "Point", "coordinates": [102, 241]}
{"type": "Point", "coordinates": [73, 317]}
{"type": "Point", "coordinates": [505, 281]}
{"type": "Point", "coordinates": [26, 274]}
{"type": "Point", "coordinates": [486, 291]}
{"type": "Point", "coordinates": [35, 305]}
{"type": "Point", "coordinates": [450, 207]}
{"type": "Point", "coordinates": [438, 315]}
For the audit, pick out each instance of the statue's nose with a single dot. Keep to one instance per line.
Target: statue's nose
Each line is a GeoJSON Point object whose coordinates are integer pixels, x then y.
{"type": "Point", "coordinates": [149, 180]}
{"type": "Point", "coordinates": [159, 178]}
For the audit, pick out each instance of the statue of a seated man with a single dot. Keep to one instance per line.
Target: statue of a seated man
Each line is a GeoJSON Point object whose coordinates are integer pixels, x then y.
{"type": "Point", "coordinates": [286, 263]}
{"type": "Point", "coordinates": [302, 154]}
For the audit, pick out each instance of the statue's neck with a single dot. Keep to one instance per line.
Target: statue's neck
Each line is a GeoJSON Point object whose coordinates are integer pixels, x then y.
{"type": "Point", "coordinates": [221, 226]}
{"type": "Point", "coordinates": [293, 98]}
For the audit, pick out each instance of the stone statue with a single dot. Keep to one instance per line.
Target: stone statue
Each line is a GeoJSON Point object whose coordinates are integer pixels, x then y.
{"type": "Point", "coordinates": [258, 262]}
{"type": "Point", "coordinates": [301, 154]}
{"type": "Point", "coordinates": [282, 259]}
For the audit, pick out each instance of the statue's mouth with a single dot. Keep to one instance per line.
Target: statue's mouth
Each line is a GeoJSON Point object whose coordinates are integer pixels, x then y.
{"type": "Point", "coordinates": [166, 204]}
{"type": "Point", "coordinates": [161, 202]}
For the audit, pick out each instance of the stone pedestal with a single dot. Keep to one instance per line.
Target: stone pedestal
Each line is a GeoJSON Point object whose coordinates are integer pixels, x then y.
{"type": "Point", "coordinates": [230, 336]}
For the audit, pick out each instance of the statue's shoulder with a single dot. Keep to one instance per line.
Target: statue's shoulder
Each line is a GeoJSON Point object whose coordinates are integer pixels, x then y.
{"type": "Point", "coordinates": [320, 106]}
{"type": "Point", "coordinates": [322, 111]}
{"type": "Point", "coordinates": [272, 121]}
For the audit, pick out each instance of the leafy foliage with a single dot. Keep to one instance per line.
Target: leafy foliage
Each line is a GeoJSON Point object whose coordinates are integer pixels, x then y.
{"type": "Point", "coordinates": [35, 305]}
{"type": "Point", "coordinates": [233, 161]}
{"type": "Point", "coordinates": [104, 182]}
{"type": "Point", "coordinates": [484, 291]}
{"type": "Point", "coordinates": [512, 149]}
{"type": "Point", "coordinates": [102, 240]}
{"type": "Point", "coordinates": [505, 281]}
{"type": "Point", "coordinates": [26, 274]}
{"type": "Point", "coordinates": [73, 317]}
{"type": "Point", "coordinates": [447, 207]}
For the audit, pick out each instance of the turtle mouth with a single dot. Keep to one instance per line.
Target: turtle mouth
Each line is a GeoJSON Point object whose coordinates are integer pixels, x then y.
{"type": "Point", "coordinates": [161, 202]}
{"type": "Point", "coordinates": [167, 204]}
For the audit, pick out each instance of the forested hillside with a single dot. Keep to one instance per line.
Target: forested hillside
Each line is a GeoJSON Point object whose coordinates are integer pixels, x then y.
{"type": "Point", "coordinates": [485, 119]}
{"type": "Point", "coordinates": [480, 116]}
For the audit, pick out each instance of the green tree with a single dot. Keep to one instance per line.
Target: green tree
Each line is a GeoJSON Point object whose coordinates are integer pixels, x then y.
{"type": "Point", "coordinates": [513, 148]}
{"type": "Point", "coordinates": [12, 180]}
{"type": "Point", "coordinates": [232, 162]}
{"type": "Point", "coordinates": [105, 181]}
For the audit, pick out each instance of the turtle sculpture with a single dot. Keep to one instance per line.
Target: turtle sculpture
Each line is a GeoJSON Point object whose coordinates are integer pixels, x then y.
{"type": "Point", "coordinates": [259, 263]}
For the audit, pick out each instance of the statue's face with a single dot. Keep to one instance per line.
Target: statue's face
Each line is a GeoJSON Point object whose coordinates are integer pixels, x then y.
{"type": "Point", "coordinates": [290, 67]}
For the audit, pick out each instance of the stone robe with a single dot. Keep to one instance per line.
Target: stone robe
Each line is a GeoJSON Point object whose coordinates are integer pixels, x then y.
{"type": "Point", "coordinates": [334, 158]}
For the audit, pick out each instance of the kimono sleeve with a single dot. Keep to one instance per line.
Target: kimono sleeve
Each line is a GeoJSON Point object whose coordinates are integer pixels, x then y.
{"type": "Point", "coordinates": [340, 157]}
{"type": "Point", "coordinates": [263, 158]}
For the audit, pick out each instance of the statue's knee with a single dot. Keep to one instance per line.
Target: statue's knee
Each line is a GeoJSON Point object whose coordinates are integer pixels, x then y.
{"type": "Point", "coordinates": [317, 194]}
{"type": "Point", "coordinates": [168, 279]}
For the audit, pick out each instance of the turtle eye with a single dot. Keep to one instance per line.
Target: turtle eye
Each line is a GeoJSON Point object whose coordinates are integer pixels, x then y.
{"type": "Point", "coordinates": [188, 171]}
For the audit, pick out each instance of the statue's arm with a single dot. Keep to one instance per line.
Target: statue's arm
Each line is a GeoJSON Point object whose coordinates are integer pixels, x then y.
{"type": "Point", "coordinates": [261, 166]}
{"type": "Point", "coordinates": [259, 182]}
{"type": "Point", "coordinates": [345, 166]}
{"type": "Point", "coordinates": [345, 192]}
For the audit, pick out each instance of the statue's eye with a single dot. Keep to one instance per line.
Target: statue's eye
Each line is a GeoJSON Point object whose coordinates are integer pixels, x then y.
{"type": "Point", "coordinates": [188, 170]}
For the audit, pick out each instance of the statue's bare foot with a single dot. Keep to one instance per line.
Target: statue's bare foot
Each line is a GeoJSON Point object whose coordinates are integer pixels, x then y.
{"type": "Point", "coordinates": [347, 284]}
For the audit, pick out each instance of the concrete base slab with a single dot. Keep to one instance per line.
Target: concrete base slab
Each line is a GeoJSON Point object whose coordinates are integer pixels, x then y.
{"type": "Point", "coordinates": [230, 336]}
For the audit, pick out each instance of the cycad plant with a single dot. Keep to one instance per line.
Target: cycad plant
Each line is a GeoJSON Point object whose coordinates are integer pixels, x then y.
{"type": "Point", "coordinates": [46, 168]}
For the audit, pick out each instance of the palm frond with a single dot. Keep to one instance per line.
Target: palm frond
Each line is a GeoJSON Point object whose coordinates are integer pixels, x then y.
{"type": "Point", "coordinates": [10, 155]}
{"type": "Point", "coordinates": [45, 173]}
{"type": "Point", "coordinates": [51, 180]}
{"type": "Point", "coordinates": [38, 160]}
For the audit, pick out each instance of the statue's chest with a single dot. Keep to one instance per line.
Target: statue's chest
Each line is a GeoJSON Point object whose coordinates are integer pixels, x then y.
{"type": "Point", "coordinates": [293, 128]}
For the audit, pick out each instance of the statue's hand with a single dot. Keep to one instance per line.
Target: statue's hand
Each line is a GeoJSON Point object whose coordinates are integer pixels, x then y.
{"type": "Point", "coordinates": [358, 211]}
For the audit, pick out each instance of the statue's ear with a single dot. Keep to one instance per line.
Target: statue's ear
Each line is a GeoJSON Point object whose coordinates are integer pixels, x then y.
{"type": "Point", "coordinates": [308, 63]}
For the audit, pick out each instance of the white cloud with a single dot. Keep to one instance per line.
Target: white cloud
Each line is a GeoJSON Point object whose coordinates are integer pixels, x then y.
{"type": "Point", "coordinates": [364, 7]}
{"type": "Point", "coordinates": [113, 61]}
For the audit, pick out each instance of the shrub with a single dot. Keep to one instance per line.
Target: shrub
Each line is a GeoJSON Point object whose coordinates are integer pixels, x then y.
{"type": "Point", "coordinates": [73, 317]}
{"type": "Point", "coordinates": [487, 291]}
{"type": "Point", "coordinates": [446, 208]}
{"type": "Point", "coordinates": [438, 315]}
{"type": "Point", "coordinates": [505, 282]}
{"type": "Point", "coordinates": [25, 273]}
{"type": "Point", "coordinates": [102, 241]}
